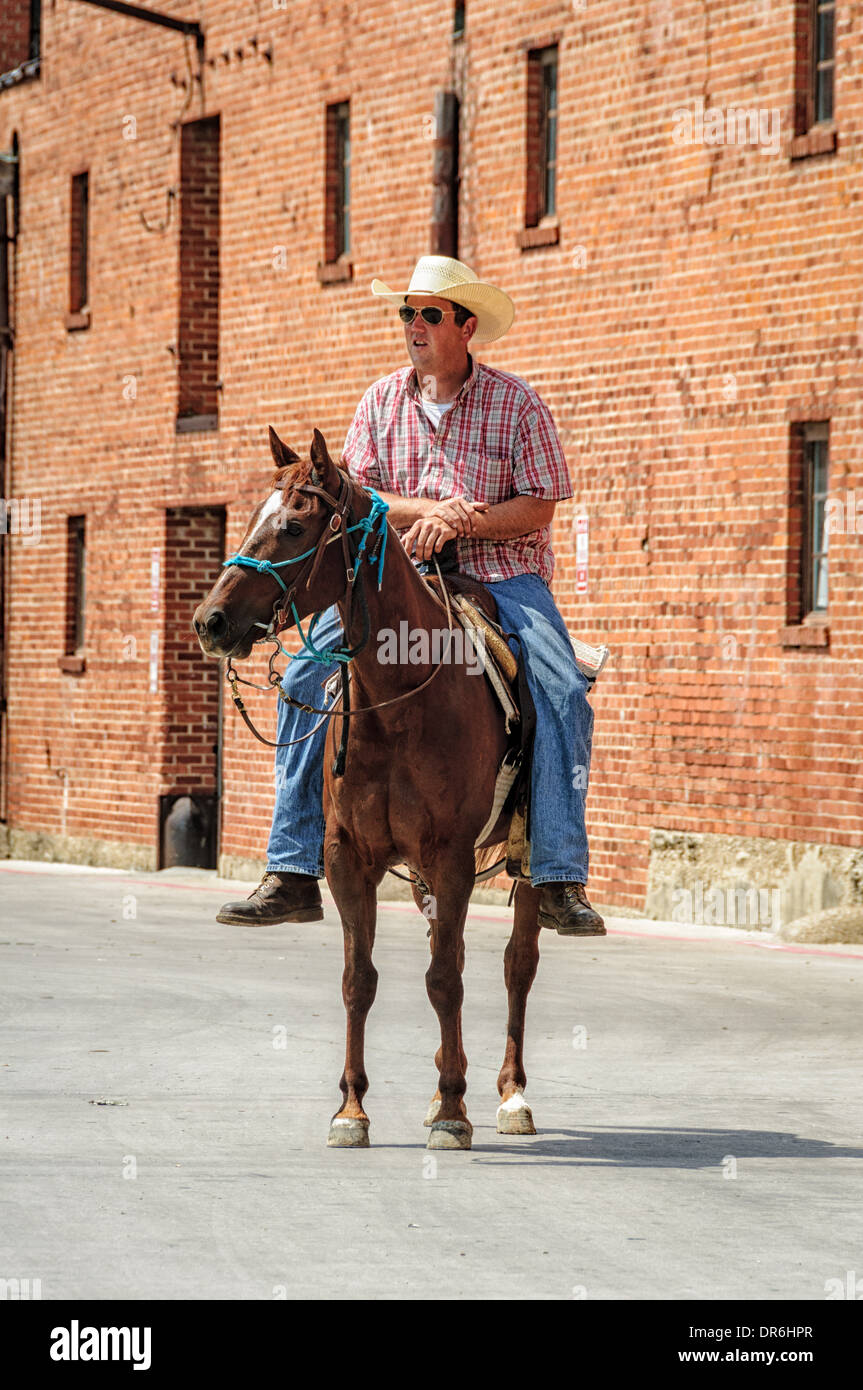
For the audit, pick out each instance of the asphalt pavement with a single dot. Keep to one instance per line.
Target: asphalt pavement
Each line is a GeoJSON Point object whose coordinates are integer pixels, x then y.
{"type": "Point", "coordinates": [166, 1087]}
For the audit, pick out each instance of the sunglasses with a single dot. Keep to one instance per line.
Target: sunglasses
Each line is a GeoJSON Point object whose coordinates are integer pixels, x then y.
{"type": "Point", "coordinates": [431, 315]}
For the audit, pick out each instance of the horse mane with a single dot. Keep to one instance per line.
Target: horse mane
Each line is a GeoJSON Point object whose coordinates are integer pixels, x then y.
{"type": "Point", "coordinates": [293, 475]}
{"type": "Point", "coordinates": [296, 474]}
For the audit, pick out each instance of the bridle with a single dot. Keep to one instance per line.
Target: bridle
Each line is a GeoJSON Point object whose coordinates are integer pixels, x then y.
{"type": "Point", "coordinates": [285, 612]}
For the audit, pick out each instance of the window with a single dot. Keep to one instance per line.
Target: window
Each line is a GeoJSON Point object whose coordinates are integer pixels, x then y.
{"type": "Point", "coordinates": [541, 147]}
{"type": "Point", "coordinates": [79, 252]}
{"type": "Point", "coordinates": [443, 240]}
{"type": "Point", "coordinates": [35, 28]}
{"type": "Point", "coordinates": [815, 463]}
{"type": "Point", "coordinates": [808, 534]}
{"type": "Point", "coordinates": [337, 198]}
{"type": "Point", "coordinates": [198, 382]}
{"type": "Point", "coordinates": [76, 595]}
{"type": "Point", "coordinates": [815, 38]}
{"type": "Point", "coordinates": [548, 141]}
{"type": "Point", "coordinates": [824, 56]}
{"type": "Point", "coordinates": [336, 264]}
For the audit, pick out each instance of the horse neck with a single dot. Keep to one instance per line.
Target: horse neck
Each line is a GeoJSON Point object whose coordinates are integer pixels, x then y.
{"type": "Point", "coordinates": [403, 597]}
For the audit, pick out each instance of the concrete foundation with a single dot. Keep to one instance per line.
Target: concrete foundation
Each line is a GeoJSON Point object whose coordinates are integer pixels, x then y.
{"type": "Point", "coordinates": [76, 849]}
{"type": "Point", "coordinates": [744, 881]}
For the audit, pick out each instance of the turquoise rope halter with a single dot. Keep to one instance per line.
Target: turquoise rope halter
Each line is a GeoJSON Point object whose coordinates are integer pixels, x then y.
{"type": "Point", "coordinates": [375, 521]}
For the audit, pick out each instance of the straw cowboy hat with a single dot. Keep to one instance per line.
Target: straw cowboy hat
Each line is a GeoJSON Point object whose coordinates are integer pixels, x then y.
{"type": "Point", "coordinates": [449, 279]}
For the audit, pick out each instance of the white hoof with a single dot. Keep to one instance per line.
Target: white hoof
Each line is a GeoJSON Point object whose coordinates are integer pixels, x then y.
{"type": "Point", "coordinates": [433, 1112]}
{"type": "Point", "coordinates": [514, 1116]}
{"type": "Point", "coordinates": [450, 1134]}
{"type": "Point", "coordinates": [348, 1134]}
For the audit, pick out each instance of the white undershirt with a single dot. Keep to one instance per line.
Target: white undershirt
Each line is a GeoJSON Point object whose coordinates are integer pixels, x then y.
{"type": "Point", "coordinates": [435, 409]}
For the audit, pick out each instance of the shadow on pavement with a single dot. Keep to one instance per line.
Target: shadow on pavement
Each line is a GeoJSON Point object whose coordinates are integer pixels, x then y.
{"type": "Point", "coordinates": [657, 1148]}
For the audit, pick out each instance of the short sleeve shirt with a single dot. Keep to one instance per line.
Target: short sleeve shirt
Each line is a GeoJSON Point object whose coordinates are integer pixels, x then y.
{"type": "Point", "coordinates": [497, 441]}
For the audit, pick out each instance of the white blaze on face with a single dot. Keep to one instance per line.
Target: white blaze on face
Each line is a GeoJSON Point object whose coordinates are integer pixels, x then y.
{"type": "Point", "coordinates": [270, 509]}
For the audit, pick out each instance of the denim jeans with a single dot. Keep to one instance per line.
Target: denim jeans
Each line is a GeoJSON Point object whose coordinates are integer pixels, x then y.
{"type": "Point", "coordinates": [561, 757]}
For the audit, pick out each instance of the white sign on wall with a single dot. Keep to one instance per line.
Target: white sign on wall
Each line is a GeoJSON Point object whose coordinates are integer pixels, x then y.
{"type": "Point", "coordinates": [581, 550]}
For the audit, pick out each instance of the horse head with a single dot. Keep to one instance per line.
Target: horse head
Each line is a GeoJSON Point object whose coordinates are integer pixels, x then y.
{"type": "Point", "coordinates": [284, 558]}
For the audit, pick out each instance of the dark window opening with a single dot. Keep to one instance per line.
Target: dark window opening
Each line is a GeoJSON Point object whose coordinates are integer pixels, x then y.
{"type": "Point", "coordinates": [76, 585]}
{"type": "Point", "coordinates": [542, 113]}
{"type": "Point", "coordinates": [824, 55]}
{"type": "Point", "coordinates": [79, 249]}
{"type": "Point", "coordinates": [458, 19]}
{"type": "Point", "coordinates": [815, 50]}
{"type": "Point", "coordinates": [35, 28]}
{"type": "Point", "coordinates": [198, 328]}
{"type": "Point", "coordinates": [338, 182]}
{"type": "Point", "coordinates": [816, 534]}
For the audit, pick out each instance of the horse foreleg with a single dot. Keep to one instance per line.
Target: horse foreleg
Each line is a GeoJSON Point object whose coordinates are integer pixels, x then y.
{"type": "Point", "coordinates": [354, 893]}
{"type": "Point", "coordinates": [520, 962]}
{"type": "Point", "coordinates": [434, 1104]}
{"type": "Point", "coordinates": [450, 1126]}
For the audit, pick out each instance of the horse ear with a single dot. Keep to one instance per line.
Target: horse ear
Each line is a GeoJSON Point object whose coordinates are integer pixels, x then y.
{"type": "Point", "coordinates": [322, 464]}
{"type": "Point", "coordinates": [283, 456]}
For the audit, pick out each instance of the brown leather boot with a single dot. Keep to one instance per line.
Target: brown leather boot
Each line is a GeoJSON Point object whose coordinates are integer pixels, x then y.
{"type": "Point", "coordinates": [564, 908]}
{"type": "Point", "coordinates": [277, 898]}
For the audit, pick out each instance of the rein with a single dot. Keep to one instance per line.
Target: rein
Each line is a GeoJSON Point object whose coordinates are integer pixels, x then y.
{"type": "Point", "coordinates": [376, 519]}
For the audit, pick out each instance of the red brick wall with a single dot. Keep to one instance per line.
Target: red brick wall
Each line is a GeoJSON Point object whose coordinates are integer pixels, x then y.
{"type": "Point", "coordinates": [699, 301]}
{"type": "Point", "coordinates": [14, 33]}
{"type": "Point", "coordinates": [194, 550]}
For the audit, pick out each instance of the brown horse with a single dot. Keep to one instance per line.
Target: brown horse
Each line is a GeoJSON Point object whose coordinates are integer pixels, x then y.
{"type": "Point", "coordinates": [419, 774]}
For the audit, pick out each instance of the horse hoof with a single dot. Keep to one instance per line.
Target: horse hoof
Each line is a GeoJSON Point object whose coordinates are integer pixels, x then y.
{"type": "Point", "coordinates": [514, 1116]}
{"type": "Point", "coordinates": [348, 1134]}
{"type": "Point", "coordinates": [433, 1112]}
{"type": "Point", "coordinates": [450, 1134]}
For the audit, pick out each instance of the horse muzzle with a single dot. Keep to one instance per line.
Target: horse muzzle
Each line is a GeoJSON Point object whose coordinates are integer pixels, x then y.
{"type": "Point", "coordinates": [218, 636]}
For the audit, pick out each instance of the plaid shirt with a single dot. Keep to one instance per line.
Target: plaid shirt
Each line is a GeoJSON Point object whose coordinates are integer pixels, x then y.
{"type": "Point", "coordinates": [496, 441]}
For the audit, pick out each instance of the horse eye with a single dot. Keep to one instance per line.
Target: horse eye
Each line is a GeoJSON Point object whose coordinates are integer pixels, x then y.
{"type": "Point", "coordinates": [290, 528]}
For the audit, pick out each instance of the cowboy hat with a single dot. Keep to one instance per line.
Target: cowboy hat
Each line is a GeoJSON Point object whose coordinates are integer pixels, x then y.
{"type": "Point", "coordinates": [449, 279]}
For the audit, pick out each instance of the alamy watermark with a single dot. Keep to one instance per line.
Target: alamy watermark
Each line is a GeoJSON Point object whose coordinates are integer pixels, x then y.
{"type": "Point", "coordinates": [419, 646]}
{"type": "Point", "coordinates": [727, 125]}
{"type": "Point", "coordinates": [21, 516]}
{"type": "Point", "coordinates": [727, 907]}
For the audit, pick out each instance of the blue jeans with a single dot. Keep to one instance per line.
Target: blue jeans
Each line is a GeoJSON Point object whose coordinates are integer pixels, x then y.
{"type": "Point", "coordinates": [561, 757]}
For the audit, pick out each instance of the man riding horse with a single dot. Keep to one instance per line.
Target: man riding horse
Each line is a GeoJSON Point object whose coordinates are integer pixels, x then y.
{"type": "Point", "coordinates": [458, 450]}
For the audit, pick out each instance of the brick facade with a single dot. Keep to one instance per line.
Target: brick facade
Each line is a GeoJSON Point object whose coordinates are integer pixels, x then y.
{"type": "Point", "coordinates": [15, 21]}
{"type": "Point", "coordinates": [701, 301]}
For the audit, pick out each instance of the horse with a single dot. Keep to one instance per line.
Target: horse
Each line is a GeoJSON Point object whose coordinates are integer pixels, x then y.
{"type": "Point", "coordinates": [409, 773]}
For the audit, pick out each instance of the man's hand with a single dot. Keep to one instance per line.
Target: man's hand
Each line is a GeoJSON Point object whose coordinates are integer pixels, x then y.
{"type": "Point", "coordinates": [459, 512]}
{"type": "Point", "coordinates": [428, 535]}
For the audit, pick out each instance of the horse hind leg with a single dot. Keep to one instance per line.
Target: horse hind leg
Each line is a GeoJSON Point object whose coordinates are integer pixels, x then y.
{"type": "Point", "coordinates": [520, 962]}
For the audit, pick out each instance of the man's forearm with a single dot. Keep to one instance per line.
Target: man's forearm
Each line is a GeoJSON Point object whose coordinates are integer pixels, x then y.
{"type": "Point", "coordinates": [503, 521]}
{"type": "Point", "coordinates": [404, 511]}
{"type": "Point", "coordinates": [519, 516]}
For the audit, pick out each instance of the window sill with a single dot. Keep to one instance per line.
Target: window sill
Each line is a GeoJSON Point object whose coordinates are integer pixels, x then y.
{"type": "Point", "coordinates": [335, 272]}
{"type": "Point", "coordinates": [192, 424]}
{"type": "Point", "coordinates": [72, 665]}
{"type": "Point", "coordinates": [806, 634]}
{"type": "Point", "coordinates": [821, 139]}
{"type": "Point", "coordinates": [544, 234]}
{"type": "Point", "coordinates": [77, 320]}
